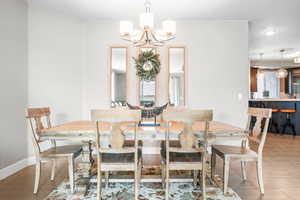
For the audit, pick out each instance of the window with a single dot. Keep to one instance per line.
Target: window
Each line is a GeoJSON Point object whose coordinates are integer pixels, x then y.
{"type": "Point", "coordinates": [268, 85]}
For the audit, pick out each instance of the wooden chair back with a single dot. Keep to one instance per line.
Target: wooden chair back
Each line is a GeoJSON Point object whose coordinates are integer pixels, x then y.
{"type": "Point", "coordinates": [115, 118]}
{"type": "Point", "coordinates": [188, 117]}
{"type": "Point", "coordinates": [257, 134]}
{"type": "Point", "coordinates": [39, 118]}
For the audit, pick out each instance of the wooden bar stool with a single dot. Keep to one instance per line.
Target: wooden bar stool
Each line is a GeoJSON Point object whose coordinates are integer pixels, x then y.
{"type": "Point", "coordinates": [288, 123]}
{"type": "Point", "coordinates": [273, 123]}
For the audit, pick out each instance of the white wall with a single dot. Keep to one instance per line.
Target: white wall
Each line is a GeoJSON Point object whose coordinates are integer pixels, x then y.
{"type": "Point", "coordinates": [13, 82]}
{"type": "Point", "coordinates": [217, 66]}
{"type": "Point", "coordinates": [56, 61]}
{"type": "Point", "coordinates": [218, 69]}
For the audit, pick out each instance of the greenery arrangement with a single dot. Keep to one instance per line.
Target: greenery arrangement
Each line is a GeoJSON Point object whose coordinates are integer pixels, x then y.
{"type": "Point", "coordinates": [147, 65]}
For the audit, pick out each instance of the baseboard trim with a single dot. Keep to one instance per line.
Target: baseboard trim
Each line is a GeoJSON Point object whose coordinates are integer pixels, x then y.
{"type": "Point", "coordinates": [14, 168]}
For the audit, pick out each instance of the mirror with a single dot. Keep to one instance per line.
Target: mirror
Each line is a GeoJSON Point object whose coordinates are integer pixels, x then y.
{"type": "Point", "coordinates": [147, 93]}
{"type": "Point", "coordinates": [118, 75]}
{"type": "Point", "coordinates": [147, 89]}
{"type": "Point", "coordinates": [176, 64]}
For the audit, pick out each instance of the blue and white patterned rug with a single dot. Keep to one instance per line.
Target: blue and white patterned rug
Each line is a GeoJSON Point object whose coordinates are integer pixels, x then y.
{"type": "Point", "coordinates": [148, 191]}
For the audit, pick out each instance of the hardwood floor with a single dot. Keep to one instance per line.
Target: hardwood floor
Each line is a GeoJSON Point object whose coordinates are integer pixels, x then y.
{"type": "Point", "coordinates": [281, 175]}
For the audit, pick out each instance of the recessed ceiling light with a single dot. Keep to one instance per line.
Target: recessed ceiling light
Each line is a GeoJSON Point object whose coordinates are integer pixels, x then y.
{"type": "Point", "coordinates": [269, 32]}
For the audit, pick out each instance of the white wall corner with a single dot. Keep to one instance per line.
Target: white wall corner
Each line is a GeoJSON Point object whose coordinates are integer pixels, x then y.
{"type": "Point", "coordinates": [14, 168]}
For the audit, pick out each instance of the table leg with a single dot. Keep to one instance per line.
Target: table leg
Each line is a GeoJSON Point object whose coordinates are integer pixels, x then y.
{"type": "Point", "coordinates": [86, 161]}
{"type": "Point", "coordinates": [85, 165]}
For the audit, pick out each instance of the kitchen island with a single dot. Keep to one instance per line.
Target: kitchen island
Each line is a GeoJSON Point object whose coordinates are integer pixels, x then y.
{"type": "Point", "coordinates": [280, 117]}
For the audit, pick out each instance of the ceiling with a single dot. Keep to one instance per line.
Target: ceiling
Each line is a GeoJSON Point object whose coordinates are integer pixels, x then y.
{"type": "Point", "coordinates": [282, 16]}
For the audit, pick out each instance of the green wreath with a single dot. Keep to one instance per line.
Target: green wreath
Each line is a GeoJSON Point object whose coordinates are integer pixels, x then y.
{"type": "Point", "coordinates": [147, 65]}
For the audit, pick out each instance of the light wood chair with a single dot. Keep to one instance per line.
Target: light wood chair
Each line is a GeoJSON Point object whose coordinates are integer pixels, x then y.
{"type": "Point", "coordinates": [39, 119]}
{"type": "Point", "coordinates": [187, 154]}
{"type": "Point", "coordinates": [250, 150]}
{"type": "Point", "coordinates": [117, 156]}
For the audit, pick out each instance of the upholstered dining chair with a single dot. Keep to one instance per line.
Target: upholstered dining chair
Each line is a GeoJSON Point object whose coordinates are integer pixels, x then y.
{"type": "Point", "coordinates": [187, 154]}
{"type": "Point", "coordinates": [117, 156]}
{"type": "Point", "coordinates": [39, 118]}
{"type": "Point", "coordinates": [250, 150]}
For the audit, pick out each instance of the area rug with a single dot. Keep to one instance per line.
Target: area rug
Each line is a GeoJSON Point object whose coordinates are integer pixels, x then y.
{"type": "Point", "coordinates": [148, 191]}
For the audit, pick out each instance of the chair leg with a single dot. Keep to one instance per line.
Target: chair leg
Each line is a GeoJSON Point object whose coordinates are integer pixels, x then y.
{"type": "Point", "coordinates": [106, 178]}
{"type": "Point", "coordinates": [276, 127]}
{"type": "Point", "coordinates": [260, 176]}
{"type": "Point", "coordinates": [53, 169]}
{"type": "Point", "coordinates": [283, 129]}
{"type": "Point", "coordinates": [226, 175]}
{"type": "Point", "coordinates": [270, 125]}
{"type": "Point", "coordinates": [213, 165]}
{"type": "Point", "coordinates": [203, 179]}
{"type": "Point", "coordinates": [167, 184]}
{"type": "Point", "coordinates": [37, 177]}
{"type": "Point", "coordinates": [243, 168]}
{"type": "Point", "coordinates": [195, 176]}
{"type": "Point", "coordinates": [136, 178]}
{"type": "Point", "coordinates": [71, 172]}
{"type": "Point", "coordinates": [163, 175]}
{"type": "Point", "coordinates": [293, 129]}
{"type": "Point", "coordinates": [140, 175]}
{"type": "Point", "coordinates": [136, 191]}
{"type": "Point", "coordinates": [99, 181]}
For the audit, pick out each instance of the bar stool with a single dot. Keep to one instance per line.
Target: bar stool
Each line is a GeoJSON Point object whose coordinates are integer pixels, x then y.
{"type": "Point", "coordinates": [273, 123]}
{"type": "Point", "coordinates": [288, 123]}
{"type": "Point", "coordinates": [261, 105]}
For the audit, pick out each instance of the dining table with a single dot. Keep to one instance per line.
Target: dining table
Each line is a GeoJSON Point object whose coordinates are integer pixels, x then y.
{"type": "Point", "coordinates": [84, 131]}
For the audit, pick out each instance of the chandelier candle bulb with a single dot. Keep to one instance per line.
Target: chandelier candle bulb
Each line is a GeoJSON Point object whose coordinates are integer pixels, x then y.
{"type": "Point", "coordinates": [146, 20]}
{"type": "Point", "coordinates": [126, 27]}
{"type": "Point", "coordinates": [169, 27]}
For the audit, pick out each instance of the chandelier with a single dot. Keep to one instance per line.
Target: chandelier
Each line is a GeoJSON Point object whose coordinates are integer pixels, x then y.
{"type": "Point", "coordinates": [147, 36]}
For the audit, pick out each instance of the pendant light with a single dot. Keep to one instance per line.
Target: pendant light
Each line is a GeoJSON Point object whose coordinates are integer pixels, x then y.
{"type": "Point", "coordinates": [282, 72]}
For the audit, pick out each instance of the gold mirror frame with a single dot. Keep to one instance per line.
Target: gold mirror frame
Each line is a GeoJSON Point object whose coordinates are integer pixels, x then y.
{"type": "Point", "coordinates": [184, 71]}
{"type": "Point", "coordinates": [156, 50]}
{"type": "Point", "coordinates": [110, 70]}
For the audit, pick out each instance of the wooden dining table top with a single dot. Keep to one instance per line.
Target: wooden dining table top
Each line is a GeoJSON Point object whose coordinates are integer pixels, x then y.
{"type": "Point", "coordinates": [88, 129]}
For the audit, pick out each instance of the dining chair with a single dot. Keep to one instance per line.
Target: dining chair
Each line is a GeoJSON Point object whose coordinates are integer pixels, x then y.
{"type": "Point", "coordinates": [250, 150]}
{"type": "Point", "coordinates": [39, 119]}
{"type": "Point", "coordinates": [186, 154]}
{"type": "Point", "coordinates": [116, 155]}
